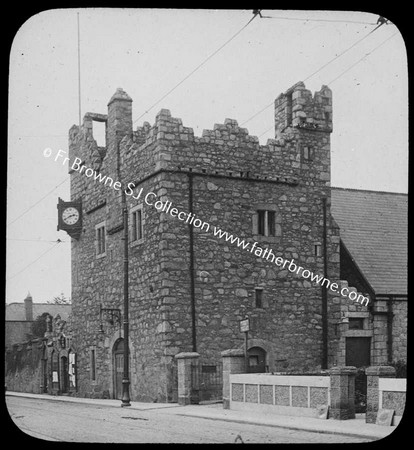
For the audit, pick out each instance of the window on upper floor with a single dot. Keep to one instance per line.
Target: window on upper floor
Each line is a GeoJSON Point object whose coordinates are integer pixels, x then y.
{"type": "Point", "coordinates": [307, 153]}
{"type": "Point", "coordinates": [137, 224]}
{"type": "Point", "coordinates": [318, 249]}
{"type": "Point", "coordinates": [100, 239]}
{"type": "Point", "coordinates": [266, 223]}
{"type": "Point", "coordinates": [259, 298]}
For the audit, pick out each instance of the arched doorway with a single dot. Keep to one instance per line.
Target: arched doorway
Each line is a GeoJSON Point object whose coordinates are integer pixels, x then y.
{"type": "Point", "coordinates": [118, 365]}
{"type": "Point", "coordinates": [256, 360]}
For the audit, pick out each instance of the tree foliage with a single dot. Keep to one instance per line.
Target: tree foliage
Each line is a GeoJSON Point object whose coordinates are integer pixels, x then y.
{"type": "Point", "coordinates": [39, 326]}
{"type": "Point", "coordinates": [60, 300]}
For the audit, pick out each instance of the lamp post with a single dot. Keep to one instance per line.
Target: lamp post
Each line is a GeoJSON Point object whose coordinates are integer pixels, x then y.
{"type": "Point", "coordinates": [125, 379]}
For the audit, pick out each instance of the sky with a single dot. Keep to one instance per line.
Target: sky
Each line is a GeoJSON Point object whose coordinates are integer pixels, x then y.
{"type": "Point", "coordinates": [148, 52]}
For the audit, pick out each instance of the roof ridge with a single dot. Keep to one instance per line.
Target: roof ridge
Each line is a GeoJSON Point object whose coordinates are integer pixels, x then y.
{"type": "Point", "coordinates": [368, 190]}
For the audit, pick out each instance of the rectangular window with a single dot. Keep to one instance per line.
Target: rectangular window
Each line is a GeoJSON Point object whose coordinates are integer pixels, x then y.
{"type": "Point", "coordinates": [271, 223]}
{"type": "Point", "coordinates": [137, 231]}
{"type": "Point", "coordinates": [356, 323]}
{"type": "Point", "coordinates": [93, 365]}
{"type": "Point", "coordinates": [208, 369]}
{"type": "Point", "coordinates": [307, 153]}
{"type": "Point", "coordinates": [100, 239]}
{"type": "Point", "coordinates": [259, 298]}
{"type": "Point", "coordinates": [261, 222]}
{"type": "Point", "coordinates": [266, 223]}
{"type": "Point", "coordinates": [318, 250]}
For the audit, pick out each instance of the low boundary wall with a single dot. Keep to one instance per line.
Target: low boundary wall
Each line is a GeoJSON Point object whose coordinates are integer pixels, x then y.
{"type": "Point", "coordinates": [279, 394]}
{"type": "Point", "coordinates": [392, 395]}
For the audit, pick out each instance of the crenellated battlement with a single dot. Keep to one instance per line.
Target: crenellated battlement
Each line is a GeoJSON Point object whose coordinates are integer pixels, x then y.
{"type": "Point", "coordinates": [297, 108]}
{"type": "Point", "coordinates": [296, 151]}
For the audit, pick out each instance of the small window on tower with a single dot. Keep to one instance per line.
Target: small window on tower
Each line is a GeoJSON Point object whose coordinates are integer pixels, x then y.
{"type": "Point", "coordinates": [261, 215]}
{"type": "Point", "coordinates": [271, 223]}
{"type": "Point", "coordinates": [308, 153]}
{"type": "Point", "coordinates": [100, 239]}
{"type": "Point", "coordinates": [318, 249]}
{"type": "Point", "coordinates": [137, 228]}
{"type": "Point", "coordinates": [266, 223]}
{"type": "Point", "coordinates": [259, 298]}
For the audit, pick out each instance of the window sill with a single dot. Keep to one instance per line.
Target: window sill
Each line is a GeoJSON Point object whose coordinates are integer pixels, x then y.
{"type": "Point", "coordinates": [270, 239]}
{"type": "Point", "coordinates": [101, 255]}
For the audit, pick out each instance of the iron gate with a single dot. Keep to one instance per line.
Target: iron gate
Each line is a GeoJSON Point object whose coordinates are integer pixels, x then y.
{"type": "Point", "coordinates": [360, 391]}
{"type": "Point", "coordinates": [211, 382]}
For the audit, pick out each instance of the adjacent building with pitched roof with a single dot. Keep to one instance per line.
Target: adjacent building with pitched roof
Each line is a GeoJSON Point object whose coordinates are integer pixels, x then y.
{"type": "Point", "coordinates": [373, 258]}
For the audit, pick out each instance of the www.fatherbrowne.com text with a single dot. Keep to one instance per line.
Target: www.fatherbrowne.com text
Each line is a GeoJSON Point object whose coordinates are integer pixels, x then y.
{"type": "Point", "coordinates": [151, 199]}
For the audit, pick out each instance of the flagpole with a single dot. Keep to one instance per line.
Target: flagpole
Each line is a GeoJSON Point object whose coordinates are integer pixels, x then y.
{"type": "Point", "coordinates": [79, 74]}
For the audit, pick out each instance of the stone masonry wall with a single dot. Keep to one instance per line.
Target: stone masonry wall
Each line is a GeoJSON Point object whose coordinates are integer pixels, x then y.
{"type": "Point", "coordinates": [23, 367]}
{"type": "Point", "coordinates": [399, 330]}
{"type": "Point", "coordinates": [233, 176]}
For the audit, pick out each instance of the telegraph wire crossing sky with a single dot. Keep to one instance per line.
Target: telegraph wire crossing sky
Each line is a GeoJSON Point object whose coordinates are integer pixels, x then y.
{"type": "Point", "coordinates": [222, 64]}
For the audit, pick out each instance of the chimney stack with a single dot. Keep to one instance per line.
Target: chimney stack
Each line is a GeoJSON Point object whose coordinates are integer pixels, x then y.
{"type": "Point", "coordinates": [28, 306]}
{"type": "Point", "coordinates": [119, 116]}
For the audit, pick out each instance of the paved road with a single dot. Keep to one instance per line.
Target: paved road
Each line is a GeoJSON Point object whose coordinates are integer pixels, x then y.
{"type": "Point", "coordinates": [74, 422]}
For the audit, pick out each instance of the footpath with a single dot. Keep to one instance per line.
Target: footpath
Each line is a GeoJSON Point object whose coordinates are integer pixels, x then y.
{"type": "Point", "coordinates": [214, 411]}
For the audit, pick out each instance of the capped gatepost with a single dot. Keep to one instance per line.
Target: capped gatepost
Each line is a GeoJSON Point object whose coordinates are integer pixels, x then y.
{"type": "Point", "coordinates": [233, 362]}
{"type": "Point", "coordinates": [342, 391]}
{"type": "Point", "coordinates": [188, 378]}
{"type": "Point", "coordinates": [373, 374]}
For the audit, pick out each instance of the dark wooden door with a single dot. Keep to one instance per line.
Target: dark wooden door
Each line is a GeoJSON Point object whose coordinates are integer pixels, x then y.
{"type": "Point", "coordinates": [64, 376]}
{"type": "Point", "coordinates": [256, 360]}
{"type": "Point", "coordinates": [119, 372]}
{"type": "Point", "coordinates": [358, 351]}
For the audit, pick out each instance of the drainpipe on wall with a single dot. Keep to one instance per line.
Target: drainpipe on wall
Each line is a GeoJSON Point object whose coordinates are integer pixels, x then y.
{"type": "Point", "coordinates": [389, 329]}
{"type": "Point", "coordinates": [191, 266]}
{"type": "Point", "coordinates": [324, 362]}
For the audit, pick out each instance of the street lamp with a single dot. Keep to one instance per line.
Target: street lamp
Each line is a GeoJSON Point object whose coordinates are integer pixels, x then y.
{"type": "Point", "coordinates": [125, 379]}
{"type": "Point", "coordinates": [111, 316]}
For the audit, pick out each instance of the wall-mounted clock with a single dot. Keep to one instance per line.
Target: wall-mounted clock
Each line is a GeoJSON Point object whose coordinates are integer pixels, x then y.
{"type": "Point", "coordinates": [70, 217]}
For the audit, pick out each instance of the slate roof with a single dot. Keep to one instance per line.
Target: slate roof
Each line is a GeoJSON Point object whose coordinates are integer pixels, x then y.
{"type": "Point", "coordinates": [374, 228]}
{"type": "Point", "coordinates": [17, 312]}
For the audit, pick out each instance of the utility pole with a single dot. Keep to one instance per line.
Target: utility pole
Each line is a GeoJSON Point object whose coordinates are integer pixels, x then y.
{"type": "Point", "coordinates": [79, 75]}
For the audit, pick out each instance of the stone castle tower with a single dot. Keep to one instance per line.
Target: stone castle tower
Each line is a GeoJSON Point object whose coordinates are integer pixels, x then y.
{"type": "Point", "coordinates": [189, 289]}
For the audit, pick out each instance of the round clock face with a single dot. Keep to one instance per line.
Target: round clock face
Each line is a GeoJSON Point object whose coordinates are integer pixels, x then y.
{"type": "Point", "coordinates": [70, 215]}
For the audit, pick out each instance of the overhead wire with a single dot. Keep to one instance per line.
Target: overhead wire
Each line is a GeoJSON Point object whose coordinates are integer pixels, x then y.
{"type": "Point", "coordinates": [37, 259]}
{"type": "Point", "coordinates": [357, 62]}
{"type": "Point", "coordinates": [347, 69]}
{"type": "Point", "coordinates": [59, 241]}
{"type": "Point", "coordinates": [195, 69]}
{"type": "Point", "coordinates": [318, 20]}
{"type": "Point", "coordinates": [34, 204]}
{"type": "Point", "coordinates": [318, 70]}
